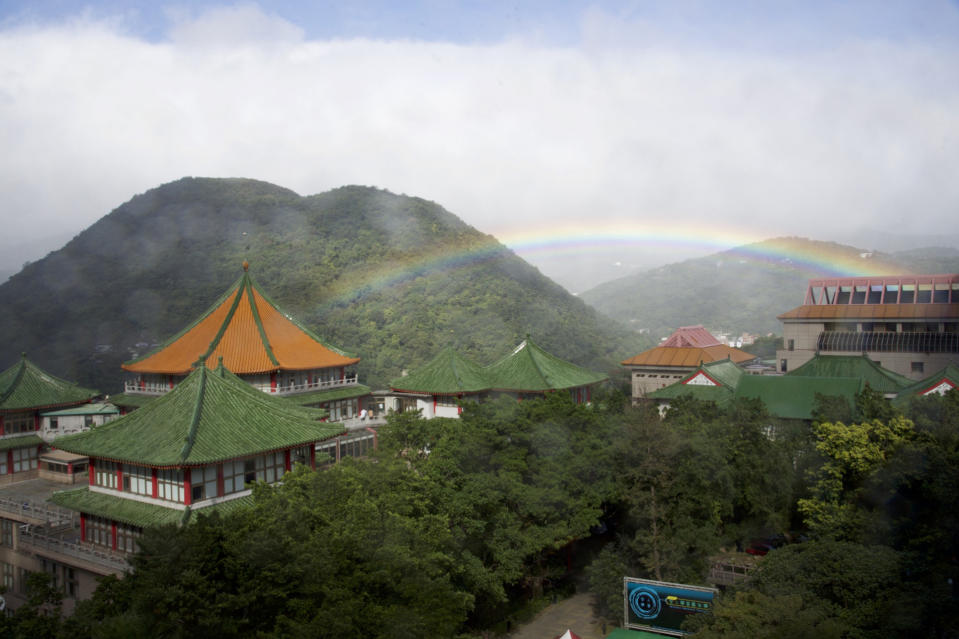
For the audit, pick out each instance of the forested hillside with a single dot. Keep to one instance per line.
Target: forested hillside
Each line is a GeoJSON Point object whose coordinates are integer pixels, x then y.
{"type": "Point", "coordinates": [391, 278]}
{"type": "Point", "coordinates": [745, 288]}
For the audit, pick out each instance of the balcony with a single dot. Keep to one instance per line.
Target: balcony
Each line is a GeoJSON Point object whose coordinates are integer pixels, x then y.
{"type": "Point", "coordinates": [862, 342]}
{"type": "Point", "coordinates": [159, 388]}
{"type": "Point", "coordinates": [64, 545]}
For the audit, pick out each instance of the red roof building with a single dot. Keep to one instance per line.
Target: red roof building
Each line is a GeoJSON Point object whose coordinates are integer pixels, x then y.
{"type": "Point", "coordinates": [680, 354]}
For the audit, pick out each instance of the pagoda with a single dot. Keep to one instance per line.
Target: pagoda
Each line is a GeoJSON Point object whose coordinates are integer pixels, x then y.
{"type": "Point", "coordinates": [440, 386]}
{"type": "Point", "coordinates": [25, 392]}
{"type": "Point", "coordinates": [259, 343]}
{"type": "Point", "coordinates": [195, 449]}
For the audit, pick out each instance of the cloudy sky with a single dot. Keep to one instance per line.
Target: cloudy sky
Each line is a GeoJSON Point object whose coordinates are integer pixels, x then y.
{"type": "Point", "coordinates": [575, 132]}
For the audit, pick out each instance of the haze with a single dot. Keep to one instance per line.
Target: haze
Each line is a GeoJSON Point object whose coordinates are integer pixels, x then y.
{"type": "Point", "coordinates": [590, 137]}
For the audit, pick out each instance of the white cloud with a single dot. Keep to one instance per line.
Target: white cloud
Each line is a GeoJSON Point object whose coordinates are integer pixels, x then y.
{"type": "Point", "coordinates": [511, 136]}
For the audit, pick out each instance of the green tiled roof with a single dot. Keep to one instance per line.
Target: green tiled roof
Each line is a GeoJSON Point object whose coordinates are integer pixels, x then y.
{"type": "Point", "coordinates": [136, 513]}
{"type": "Point", "coordinates": [784, 396]}
{"type": "Point", "coordinates": [725, 372]}
{"type": "Point", "coordinates": [210, 416]}
{"type": "Point", "coordinates": [531, 369]}
{"type": "Point", "coordinates": [23, 441]}
{"type": "Point", "coordinates": [84, 409]}
{"type": "Point", "coordinates": [136, 400]}
{"type": "Point", "coordinates": [949, 374]}
{"type": "Point", "coordinates": [321, 397]}
{"type": "Point", "coordinates": [24, 386]}
{"type": "Point", "coordinates": [449, 373]}
{"type": "Point", "coordinates": [795, 397]}
{"type": "Point", "coordinates": [878, 378]}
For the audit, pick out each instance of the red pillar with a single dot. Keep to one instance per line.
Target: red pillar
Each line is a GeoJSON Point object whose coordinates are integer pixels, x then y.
{"type": "Point", "coordinates": [219, 479]}
{"type": "Point", "coordinates": [187, 488]}
{"type": "Point", "coordinates": [286, 460]}
{"type": "Point", "coordinates": [92, 473]}
{"type": "Point", "coordinates": [273, 382]}
{"type": "Point", "coordinates": [83, 526]}
{"type": "Point", "coordinates": [36, 421]}
{"type": "Point", "coordinates": [120, 477]}
{"type": "Point", "coordinates": [154, 484]}
{"type": "Point", "coordinates": [313, 456]}
{"type": "Point", "coordinates": [113, 535]}
{"type": "Point", "coordinates": [342, 373]}
{"type": "Point", "coordinates": [1, 425]}
{"type": "Point", "coordinates": [10, 462]}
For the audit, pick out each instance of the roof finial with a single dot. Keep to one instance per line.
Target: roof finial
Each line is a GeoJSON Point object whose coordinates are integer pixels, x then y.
{"type": "Point", "coordinates": [246, 266]}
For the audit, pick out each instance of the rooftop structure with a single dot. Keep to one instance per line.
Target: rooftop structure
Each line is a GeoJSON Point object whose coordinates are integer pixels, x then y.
{"type": "Point", "coordinates": [438, 386]}
{"type": "Point", "coordinates": [260, 343]}
{"type": "Point", "coordinates": [676, 357]}
{"type": "Point", "coordinates": [907, 323]}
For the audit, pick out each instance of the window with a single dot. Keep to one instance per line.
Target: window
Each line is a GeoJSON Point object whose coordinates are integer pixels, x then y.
{"type": "Point", "coordinates": [792, 344]}
{"type": "Point", "coordinates": [98, 531]}
{"type": "Point", "coordinates": [203, 483]}
{"type": "Point", "coordinates": [170, 484]}
{"type": "Point", "coordinates": [356, 447]}
{"type": "Point", "coordinates": [270, 467]}
{"type": "Point", "coordinates": [24, 459]}
{"type": "Point", "coordinates": [88, 420]}
{"type": "Point", "coordinates": [53, 423]}
{"type": "Point", "coordinates": [127, 538]}
{"type": "Point", "coordinates": [300, 455]}
{"type": "Point", "coordinates": [16, 424]}
{"type": "Point", "coordinates": [63, 578]}
{"type": "Point", "coordinates": [6, 532]}
{"type": "Point", "coordinates": [326, 454]}
{"type": "Point", "coordinates": [782, 366]}
{"type": "Point", "coordinates": [235, 475]}
{"type": "Point", "coordinates": [892, 294]}
{"type": "Point", "coordinates": [8, 577]}
{"type": "Point", "coordinates": [916, 367]}
{"type": "Point", "coordinates": [105, 474]}
{"type": "Point", "coordinates": [138, 480]}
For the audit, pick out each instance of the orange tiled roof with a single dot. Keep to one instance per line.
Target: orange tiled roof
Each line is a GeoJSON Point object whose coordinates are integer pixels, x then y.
{"type": "Point", "coordinates": [249, 333]}
{"type": "Point", "coordinates": [687, 356]}
{"type": "Point", "coordinates": [691, 336]}
{"type": "Point", "coordinates": [872, 311]}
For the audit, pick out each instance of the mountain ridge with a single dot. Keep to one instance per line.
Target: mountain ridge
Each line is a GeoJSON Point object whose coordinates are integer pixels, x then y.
{"type": "Point", "coordinates": [391, 277]}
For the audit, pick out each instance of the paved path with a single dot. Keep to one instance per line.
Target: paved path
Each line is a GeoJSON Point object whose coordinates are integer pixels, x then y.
{"type": "Point", "coordinates": [575, 613]}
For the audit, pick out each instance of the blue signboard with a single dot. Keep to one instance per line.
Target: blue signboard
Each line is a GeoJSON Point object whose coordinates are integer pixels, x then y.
{"type": "Point", "coordinates": [657, 606]}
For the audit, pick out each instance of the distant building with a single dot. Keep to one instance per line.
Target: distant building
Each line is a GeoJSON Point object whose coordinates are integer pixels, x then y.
{"type": "Point", "coordinates": [908, 324]}
{"type": "Point", "coordinates": [439, 387]}
{"type": "Point", "coordinates": [677, 356]}
{"type": "Point", "coordinates": [262, 345]}
{"type": "Point", "coordinates": [68, 421]}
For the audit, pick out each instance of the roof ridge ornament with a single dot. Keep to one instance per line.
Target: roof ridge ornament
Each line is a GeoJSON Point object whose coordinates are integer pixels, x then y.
{"type": "Point", "coordinates": [246, 266]}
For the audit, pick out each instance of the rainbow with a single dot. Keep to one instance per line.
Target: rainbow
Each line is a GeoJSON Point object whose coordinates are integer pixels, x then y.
{"type": "Point", "coordinates": [815, 259]}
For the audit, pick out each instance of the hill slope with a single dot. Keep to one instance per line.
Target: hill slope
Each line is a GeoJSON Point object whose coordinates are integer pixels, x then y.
{"type": "Point", "coordinates": [391, 278]}
{"type": "Point", "coordinates": [745, 288]}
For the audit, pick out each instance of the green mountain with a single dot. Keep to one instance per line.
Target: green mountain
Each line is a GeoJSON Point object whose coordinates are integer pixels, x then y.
{"type": "Point", "coordinates": [391, 278]}
{"type": "Point", "coordinates": [745, 288]}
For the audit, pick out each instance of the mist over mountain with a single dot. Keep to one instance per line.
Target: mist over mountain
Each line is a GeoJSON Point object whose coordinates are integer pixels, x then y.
{"type": "Point", "coordinates": [389, 277]}
{"type": "Point", "coordinates": [745, 288]}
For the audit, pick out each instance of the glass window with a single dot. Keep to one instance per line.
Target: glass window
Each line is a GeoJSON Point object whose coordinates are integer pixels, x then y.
{"type": "Point", "coordinates": [6, 533]}
{"type": "Point", "coordinates": [138, 480]}
{"type": "Point", "coordinates": [24, 459]}
{"type": "Point", "coordinates": [105, 474]}
{"type": "Point", "coordinates": [234, 473]}
{"type": "Point", "coordinates": [127, 538]}
{"type": "Point", "coordinates": [908, 294]}
{"type": "Point", "coordinates": [916, 367]}
{"type": "Point", "coordinates": [859, 295]}
{"type": "Point", "coordinates": [845, 293]}
{"type": "Point", "coordinates": [270, 467]}
{"type": "Point", "coordinates": [53, 423]}
{"type": "Point", "coordinates": [99, 531]}
{"type": "Point", "coordinates": [925, 294]}
{"type": "Point", "coordinates": [203, 483]}
{"type": "Point", "coordinates": [19, 423]}
{"type": "Point", "coordinates": [892, 294]}
{"type": "Point", "coordinates": [8, 577]}
{"type": "Point", "coordinates": [170, 484]}
{"type": "Point", "coordinates": [875, 294]}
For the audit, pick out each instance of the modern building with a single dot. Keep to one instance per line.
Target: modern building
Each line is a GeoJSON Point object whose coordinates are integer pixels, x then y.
{"type": "Point", "coordinates": [440, 386]}
{"type": "Point", "coordinates": [679, 355]}
{"type": "Point", "coordinates": [909, 324]}
{"type": "Point", "coordinates": [261, 344]}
